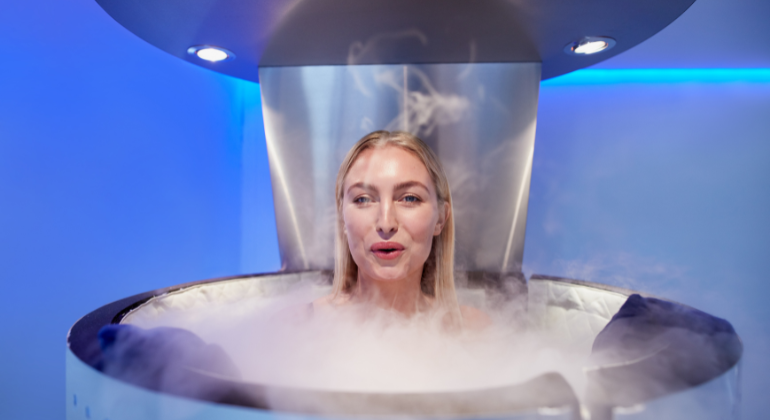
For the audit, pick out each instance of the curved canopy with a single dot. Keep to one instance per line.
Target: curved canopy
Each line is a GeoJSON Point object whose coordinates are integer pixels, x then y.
{"type": "Point", "coordinates": [338, 32]}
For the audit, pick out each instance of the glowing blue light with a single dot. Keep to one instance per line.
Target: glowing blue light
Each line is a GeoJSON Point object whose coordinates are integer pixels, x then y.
{"type": "Point", "coordinates": [643, 76]}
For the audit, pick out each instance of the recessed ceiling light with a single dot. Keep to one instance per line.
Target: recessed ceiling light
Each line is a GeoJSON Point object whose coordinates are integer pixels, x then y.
{"type": "Point", "coordinates": [211, 53]}
{"type": "Point", "coordinates": [589, 45]}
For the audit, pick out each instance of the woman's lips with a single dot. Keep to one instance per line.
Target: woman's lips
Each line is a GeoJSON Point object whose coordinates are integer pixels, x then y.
{"type": "Point", "coordinates": [387, 250]}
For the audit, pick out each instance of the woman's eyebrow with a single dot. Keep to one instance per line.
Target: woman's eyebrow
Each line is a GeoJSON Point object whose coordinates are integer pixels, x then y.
{"type": "Point", "coordinates": [409, 184]}
{"type": "Point", "coordinates": [368, 187]}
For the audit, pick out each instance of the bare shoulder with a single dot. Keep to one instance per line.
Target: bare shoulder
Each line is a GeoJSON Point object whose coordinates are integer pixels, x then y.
{"type": "Point", "coordinates": [323, 301]}
{"type": "Point", "coordinates": [295, 313]}
{"type": "Point", "coordinates": [329, 300]}
{"type": "Point", "coordinates": [304, 312]}
{"type": "Point", "coordinates": [474, 319]}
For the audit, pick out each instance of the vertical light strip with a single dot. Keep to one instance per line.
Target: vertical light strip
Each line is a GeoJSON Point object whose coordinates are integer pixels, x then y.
{"type": "Point", "coordinates": [275, 163]}
{"type": "Point", "coordinates": [525, 177]}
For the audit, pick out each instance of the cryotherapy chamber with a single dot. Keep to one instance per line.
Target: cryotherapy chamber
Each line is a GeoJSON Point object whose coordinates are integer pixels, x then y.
{"type": "Point", "coordinates": [463, 76]}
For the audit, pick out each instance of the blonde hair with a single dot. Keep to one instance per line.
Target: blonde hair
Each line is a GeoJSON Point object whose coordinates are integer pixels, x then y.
{"type": "Point", "coordinates": [438, 271]}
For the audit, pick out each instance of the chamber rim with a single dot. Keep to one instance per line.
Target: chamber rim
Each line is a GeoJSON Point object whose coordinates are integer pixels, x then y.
{"type": "Point", "coordinates": [82, 340]}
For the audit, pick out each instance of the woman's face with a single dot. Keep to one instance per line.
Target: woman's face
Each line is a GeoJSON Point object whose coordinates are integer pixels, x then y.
{"type": "Point", "coordinates": [391, 213]}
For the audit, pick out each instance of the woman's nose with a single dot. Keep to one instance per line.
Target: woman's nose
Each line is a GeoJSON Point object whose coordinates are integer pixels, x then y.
{"type": "Point", "coordinates": [387, 222]}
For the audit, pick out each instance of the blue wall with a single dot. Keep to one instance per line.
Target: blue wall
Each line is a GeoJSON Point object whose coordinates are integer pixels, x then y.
{"type": "Point", "coordinates": [660, 181]}
{"type": "Point", "coordinates": [121, 172]}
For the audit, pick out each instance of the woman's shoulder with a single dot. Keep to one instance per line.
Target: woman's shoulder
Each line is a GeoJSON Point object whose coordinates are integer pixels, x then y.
{"type": "Point", "coordinates": [322, 302]}
{"type": "Point", "coordinates": [474, 319]}
{"type": "Point", "coordinates": [329, 301]}
{"type": "Point", "coordinates": [304, 312]}
{"type": "Point", "coordinates": [297, 313]}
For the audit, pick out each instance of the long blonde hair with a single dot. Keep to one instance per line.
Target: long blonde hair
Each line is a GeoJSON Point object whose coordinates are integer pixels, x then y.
{"type": "Point", "coordinates": [438, 272]}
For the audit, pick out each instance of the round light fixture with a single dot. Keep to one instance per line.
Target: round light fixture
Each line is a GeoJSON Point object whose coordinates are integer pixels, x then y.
{"type": "Point", "coordinates": [211, 53]}
{"type": "Point", "coordinates": [589, 45]}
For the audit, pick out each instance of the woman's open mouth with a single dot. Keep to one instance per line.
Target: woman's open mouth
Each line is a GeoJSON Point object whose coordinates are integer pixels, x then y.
{"type": "Point", "coordinates": [387, 250]}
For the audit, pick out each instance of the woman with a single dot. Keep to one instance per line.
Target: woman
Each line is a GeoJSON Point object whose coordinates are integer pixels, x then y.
{"type": "Point", "coordinates": [395, 232]}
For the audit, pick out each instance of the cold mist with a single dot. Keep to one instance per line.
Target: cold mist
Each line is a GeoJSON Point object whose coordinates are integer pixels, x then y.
{"type": "Point", "coordinates": [280, 341]}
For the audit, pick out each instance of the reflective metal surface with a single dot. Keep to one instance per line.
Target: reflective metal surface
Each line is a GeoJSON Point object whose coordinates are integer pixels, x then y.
{"type": "Point", "coordinates": [337, 32]}
{"type": "Point", "coordinates": [479, 118]}
{"type": "Point", "coordinates": [93, 394]}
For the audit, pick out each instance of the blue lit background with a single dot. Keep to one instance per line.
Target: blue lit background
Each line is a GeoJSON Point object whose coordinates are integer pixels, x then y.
{"type": "Point", "coordinates": [122, 170]}
{"type": "Point", "coordinates": [659, 180]}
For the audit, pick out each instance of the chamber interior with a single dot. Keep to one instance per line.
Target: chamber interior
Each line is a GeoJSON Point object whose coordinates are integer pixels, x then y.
{"type": "Point", "coordinates": [549, 329]}
{"type": "Point", "coordinates": [540, 354]}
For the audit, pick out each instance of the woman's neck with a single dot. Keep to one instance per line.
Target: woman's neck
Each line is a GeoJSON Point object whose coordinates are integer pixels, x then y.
{"type": "Point", "coordinates": [404, 296]}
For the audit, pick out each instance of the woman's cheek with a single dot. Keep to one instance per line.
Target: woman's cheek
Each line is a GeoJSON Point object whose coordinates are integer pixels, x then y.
{"type": "Point", "coordinates": [421, 225]}
{"type": "Point", "coordinates": [355, 226]}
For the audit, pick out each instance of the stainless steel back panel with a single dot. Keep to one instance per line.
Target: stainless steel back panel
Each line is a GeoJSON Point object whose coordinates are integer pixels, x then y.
{"type": "Point", "coordinates": [479, 118]}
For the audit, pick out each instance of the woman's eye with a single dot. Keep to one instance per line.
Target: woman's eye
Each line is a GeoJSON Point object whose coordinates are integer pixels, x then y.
{"type": "Point", "coordinates": [411, 199]}
{"type": "Point", "coordinates": [362, 200]}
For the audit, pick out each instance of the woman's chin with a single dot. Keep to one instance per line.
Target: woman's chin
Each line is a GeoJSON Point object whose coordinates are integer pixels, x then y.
{"type": "Point", "coordinates": [388, 274]}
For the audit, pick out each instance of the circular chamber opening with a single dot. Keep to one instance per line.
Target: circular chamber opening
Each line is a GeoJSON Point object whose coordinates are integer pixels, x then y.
{"type": "Point", "coordinates": [240, 341]}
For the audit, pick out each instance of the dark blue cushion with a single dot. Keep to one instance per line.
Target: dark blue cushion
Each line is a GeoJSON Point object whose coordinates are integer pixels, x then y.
{"type": "Point", "coordinates": [164, 359]}
{"type": "Point", "coordinates": [653, 347]}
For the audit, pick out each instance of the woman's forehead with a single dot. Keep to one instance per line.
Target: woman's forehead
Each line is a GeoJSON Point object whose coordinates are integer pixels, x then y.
{"type": "Point", "coordinates": [387, 165]}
